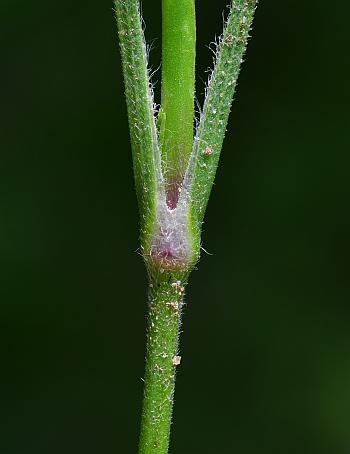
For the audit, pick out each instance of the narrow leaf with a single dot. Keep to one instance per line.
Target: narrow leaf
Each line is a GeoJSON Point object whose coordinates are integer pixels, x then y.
{"type": "Point", "coordinates": [213, 121]}
{"type": "Point", "coordinates": [139, 97]}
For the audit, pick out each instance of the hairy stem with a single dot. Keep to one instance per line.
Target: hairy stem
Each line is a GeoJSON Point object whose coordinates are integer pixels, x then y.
{"type": "Point", "coordinates": [178, 77]}
{"type": "Point", "coordinates": [165, 304]}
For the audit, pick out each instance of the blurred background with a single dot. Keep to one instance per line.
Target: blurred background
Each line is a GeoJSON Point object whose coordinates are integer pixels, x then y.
{"type": "Point", "coordinates": [266, 333]}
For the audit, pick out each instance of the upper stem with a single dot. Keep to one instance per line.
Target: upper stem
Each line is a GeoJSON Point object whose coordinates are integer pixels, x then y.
{"type": "Point", "coordinates": [178, 79]}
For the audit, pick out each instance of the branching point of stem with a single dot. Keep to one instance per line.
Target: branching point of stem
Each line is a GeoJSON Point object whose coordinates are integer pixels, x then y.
{"type": "Point", "coordinates": [174, 177]}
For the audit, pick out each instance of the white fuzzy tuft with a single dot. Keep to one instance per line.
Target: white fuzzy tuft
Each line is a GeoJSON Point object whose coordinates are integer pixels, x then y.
{"type": "Point", "coordinates": [171, 239]}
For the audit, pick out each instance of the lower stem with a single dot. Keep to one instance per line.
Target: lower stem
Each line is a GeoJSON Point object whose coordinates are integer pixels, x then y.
{"type": "Point", "coordinates": [165, 307]}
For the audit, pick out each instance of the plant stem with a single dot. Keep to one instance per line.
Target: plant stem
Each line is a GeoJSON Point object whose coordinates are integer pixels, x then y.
{"type": "Point", "coordinates": [175, 125]}
{"type": "Point", "coordinates": [165, 163]}
{"type": "Point", "coordinates": [165, 304]}
{"type": "Point", "coordinates": [178, 78]}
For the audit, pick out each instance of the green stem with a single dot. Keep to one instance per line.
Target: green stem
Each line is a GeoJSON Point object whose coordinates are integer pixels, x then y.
{"type": "Point", "coordinates": [178, 78]}
{"type": "Point", "coordinates": [171, 227]}
{"type": "Point", "coordinates": [175, 126]}
{"type": "Point", "coordinates": [165, 303]}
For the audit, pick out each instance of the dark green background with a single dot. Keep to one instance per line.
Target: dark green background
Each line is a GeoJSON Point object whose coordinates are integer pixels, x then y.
{"type": "Point", "coordinates": [266, 341]}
